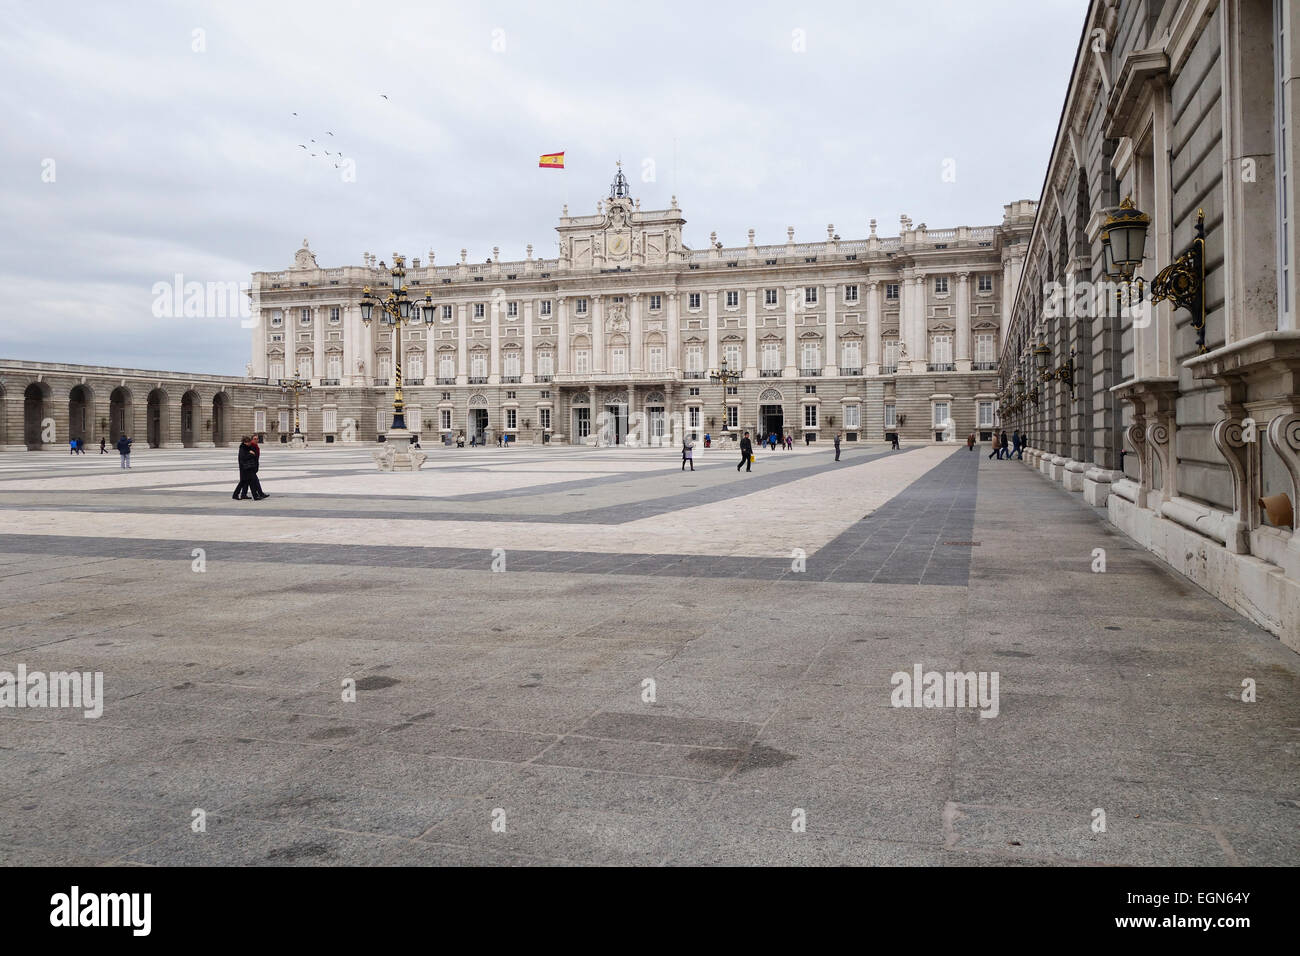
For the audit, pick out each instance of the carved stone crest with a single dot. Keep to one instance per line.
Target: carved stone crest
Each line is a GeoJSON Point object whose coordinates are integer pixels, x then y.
{"type": "Point", "coordinates": [304, 258]}
{"type": "Point", "coordinates": [617, 319]}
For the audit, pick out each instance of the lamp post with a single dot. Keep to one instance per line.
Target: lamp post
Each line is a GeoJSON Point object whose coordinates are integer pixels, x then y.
{"type": "Point", "coordinates": [396, 311]}
{"type": "Point", "coordinates": [724, 376]}
{"type": "Point", "coordinates": [295, 385]}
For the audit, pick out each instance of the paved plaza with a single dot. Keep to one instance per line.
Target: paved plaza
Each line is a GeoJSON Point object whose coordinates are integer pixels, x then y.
{"type": "Point", "coordinates": [565, 655]}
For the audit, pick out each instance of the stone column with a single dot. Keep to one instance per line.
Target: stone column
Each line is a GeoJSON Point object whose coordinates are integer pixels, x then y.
{"type": "Point", "coordinates": [962, 358]}
{"type": "Point", "coordinates": [634, 346]}
{"type": "Point", "coordinates": [597, 334]}
{"type": "Point", "coordinates": [832, 360]}
{"type": "Point", "coordinates": [494, 348]}
{"type": "Point", "coordinates": [674, 334]}
{"type": "Point", "coordinates": [318, 319]}
{"type": "Point", "coordinates": [791, 368]}
{"type": "Point", "coordinates": [462, 351]}
{"type": "Point", "coordinates": [711, 361]}
{"type": "Point", "coordinates": [631, 409]}
{"type": "Point", "coordinates": [751, 333]}
{"type": "Point", "coordinates": [562, 344]}
{"type": "Point", "coordinates": [528, 342]}
{"type": "Point", "coordinates": [920, 349]}
{"type": "Point", "coordinates": [873, 327]}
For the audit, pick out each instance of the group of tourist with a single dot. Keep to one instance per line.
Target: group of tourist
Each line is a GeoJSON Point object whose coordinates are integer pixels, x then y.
{"type": "Point", "coordinates": [771, 441]}
{"type": "Point", "coordinates": [1002, 447]}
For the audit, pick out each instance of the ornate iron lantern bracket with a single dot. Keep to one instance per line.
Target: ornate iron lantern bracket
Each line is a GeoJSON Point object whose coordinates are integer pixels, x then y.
{"type": "Point", "coordinates": [1183, 282]}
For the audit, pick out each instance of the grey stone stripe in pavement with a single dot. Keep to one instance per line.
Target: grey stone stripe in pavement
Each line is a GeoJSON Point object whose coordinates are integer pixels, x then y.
{"type": "Point", "coordinates": [606, 515]}
{"type": "Point", "coordinates": [921, 536]}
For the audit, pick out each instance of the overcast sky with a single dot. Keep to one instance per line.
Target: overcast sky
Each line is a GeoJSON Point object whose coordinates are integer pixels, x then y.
{"type": "Point", "coordinates": [176, 151]}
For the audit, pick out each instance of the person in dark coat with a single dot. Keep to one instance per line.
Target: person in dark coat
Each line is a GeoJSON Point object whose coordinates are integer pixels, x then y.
{"type": "Point", "coordinates": [255, 485]}
{"type": "Point", "coordinates": [746, 453]}
{"type": "Point", "coordinates": [837, 446]}
{"type": "Point", "coordinates": [103, 445]}
{"type": "Point", "coordinates": [246, 473]}
{"type": "Point", "coordinates": [1006, 446]}
{"type": "Point", "coordinates": [124, 449]}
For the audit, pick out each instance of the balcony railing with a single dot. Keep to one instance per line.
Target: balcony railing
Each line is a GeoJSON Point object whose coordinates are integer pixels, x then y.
{"type": "Point", "coordinates": [543, 378]}
{"type": "Point", "coordinates": [478, 379]}
{"type": "Point", "coordinates": [414, 381]}
{"type": "Point", "coordinates": [940, 367]}
{"type": "Point", "coordinates": [850, 371]}
{"type": "Point", "coordinates": [889, 370]}
{"type": "Point", "coordinates": [810, 372]}
{"type": "Point", "coordinates": [381, 382]}
{"type": "Point", "coordinates": [447, 381]}
{"type": "Point", "coordinates": [984, 367]}
{"type": "Point", "coordinates": [694, 376]}
{"type": "Point", "coordinates": [511, 379]}
{"type": "Point", "coordinates": [770, 373]}
{"type": "Point", "coordinates": [329, 381]}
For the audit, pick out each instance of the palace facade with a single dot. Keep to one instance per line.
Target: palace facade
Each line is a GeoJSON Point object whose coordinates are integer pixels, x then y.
{"type": "Point", "coordinates": [1172, 397]}
{"type": "Point", "coordinates": [615, 340]}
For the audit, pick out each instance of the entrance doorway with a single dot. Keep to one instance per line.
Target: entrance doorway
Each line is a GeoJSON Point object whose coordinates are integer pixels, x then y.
{"type": "Point", "coordinates": [655, 426]}
{"type": "Point", "coordinates": [581, 425]}
{"type": "Point", "coordinates": [119, 410]}
{"type": "Point", "coordinates": [771, 419]}
{"type": "Point", "coordinates": [478, 423]}
{"type": "Point", "coordinates": [34, 415]}
{"type": "Point", "coordinates": [615, 425]}
{"type": "Point", "coordinates": [155, 418]}
{"type": "Point", "coordinates": [79, 423]}
{"type": "Point", "coordinates": [188, 425]}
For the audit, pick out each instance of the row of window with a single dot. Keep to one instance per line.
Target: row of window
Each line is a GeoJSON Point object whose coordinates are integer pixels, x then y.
{"type": "Point", "coordinates": [770, 354]}
{"type": "Point", "coordinates": [851, 416]}
{"type": "Point", "coordinates": [732, 301]}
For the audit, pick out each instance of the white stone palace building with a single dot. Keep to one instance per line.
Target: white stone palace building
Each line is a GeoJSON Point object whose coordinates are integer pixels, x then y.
{"type": "Point", "coordinates": [614, 340]}
{"type": "Point", "coordinates": [1181, 415]}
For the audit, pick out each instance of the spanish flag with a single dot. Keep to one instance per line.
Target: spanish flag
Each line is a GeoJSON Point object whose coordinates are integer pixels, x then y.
{"type": "Point", "coordinates": [551, 161]}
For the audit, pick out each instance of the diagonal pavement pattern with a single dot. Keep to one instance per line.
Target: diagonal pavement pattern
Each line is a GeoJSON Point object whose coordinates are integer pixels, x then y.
{"type": "Point", "coordinates": [651, 680]}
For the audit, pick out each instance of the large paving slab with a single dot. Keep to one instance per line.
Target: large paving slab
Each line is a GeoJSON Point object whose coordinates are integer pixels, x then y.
{"type": "Point", "coordinates": [670, 668]}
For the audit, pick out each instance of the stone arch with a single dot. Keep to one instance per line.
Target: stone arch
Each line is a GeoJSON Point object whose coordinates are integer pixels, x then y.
{"type": "Point", "coordinates": [36, 397]}
{"type": "Point", "coordinates": [220, 419]}
{"type": "Point", "coordinates": [771, 396]}
{"type": "Point", "coordinates": [81, 412]}
{"type": "Point", "coordinates": [191, 418]}
{"type": "Point", "coordinates": [157, 409]}
{"type": "Point", "coordinates": [478, 400]}
{"type": "Point", "coordinates": [119, 414]}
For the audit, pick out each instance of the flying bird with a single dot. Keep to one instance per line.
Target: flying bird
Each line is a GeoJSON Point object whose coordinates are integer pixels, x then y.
{"type": "Point", "coordinates": [328, 133]}
{"type": "Point", "coordinates": [384, 95]}
{"type": "Point", "coordinates": [295, 114]}
{"type": "Point", "coordinates": [301, 146]}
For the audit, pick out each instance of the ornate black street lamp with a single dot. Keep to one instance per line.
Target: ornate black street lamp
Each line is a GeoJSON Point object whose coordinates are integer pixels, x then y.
{"type": "Point", "coordinates": [725, 377]}
{"type": "Point", "coordinates": [396, 311]}
{"type": "Point", "coordinates": [294, 385]}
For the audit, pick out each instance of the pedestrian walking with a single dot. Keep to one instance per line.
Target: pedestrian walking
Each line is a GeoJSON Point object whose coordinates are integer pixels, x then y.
{"type": "Point", "coordinates": [1016, 442]}
{"type": "Point", "coordinates": [837, 446]}
{"type": "Point", "coordinates": [997, 446]}
{"type": "Point", "coordinates": [688, 452]}
{"type": "Point", "coordinates": [970, 442]}
{"type": "Point", "coordinates": [103, 445]}
{"type": "Point", "coordinates": [893, 438]}
{"type": "Point", "coordinates": [1006, 447]}
{"type": "Point", "coordinates": [245, 459]}
{"type": "Point", "coordinates": [124, 449]}
{"type": "Point", "coordinates": [746, 453]}
{"type": "Point", "coordinates": [255, 484]}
